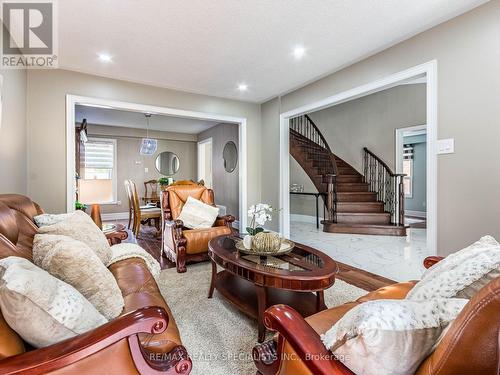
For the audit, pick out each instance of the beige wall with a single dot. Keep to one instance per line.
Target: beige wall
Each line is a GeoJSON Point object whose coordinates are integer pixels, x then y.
{"type": "Point", "coordinates": [47, 90]}
{"type": "Point", "coordinates": [13, 135]}
{"type": "Point", "coordinates": [132, 165]}
{"type": "Point", "coordinates": [225, 184]}
{"type": "Point", "coordinates": [467, 52]}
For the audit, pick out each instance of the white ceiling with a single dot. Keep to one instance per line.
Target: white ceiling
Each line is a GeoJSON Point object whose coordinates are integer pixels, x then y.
{"type": "Point", "coordinates": [211, 46]}
{"type": "Point", "coordinates": [128, 119]}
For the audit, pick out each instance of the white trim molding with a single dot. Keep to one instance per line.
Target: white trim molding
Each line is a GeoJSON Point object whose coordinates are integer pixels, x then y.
{"type": "Point", "coordinates": [428, 69]}
{"type": "Point", "coordinates": [73, 100]}
{"type": "Point", "coordinates": [421, 214]}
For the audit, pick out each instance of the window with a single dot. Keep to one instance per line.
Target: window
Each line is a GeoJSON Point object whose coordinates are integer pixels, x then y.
{"type": "Point", "coordinates": [408, 170]}
{"type": "Point", "coordinates": [98, 171]}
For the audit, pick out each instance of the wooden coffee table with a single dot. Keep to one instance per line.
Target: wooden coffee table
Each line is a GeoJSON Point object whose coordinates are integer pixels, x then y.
{"type": "Point", "coordinates": [253, 283]}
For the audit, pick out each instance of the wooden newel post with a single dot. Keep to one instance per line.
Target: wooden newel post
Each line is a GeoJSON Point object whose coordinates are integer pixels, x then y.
{"type": "Point", "coordinates": [330, 197]}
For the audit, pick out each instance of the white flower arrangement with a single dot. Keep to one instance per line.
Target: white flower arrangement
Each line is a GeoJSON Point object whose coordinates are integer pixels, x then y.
{"type": "Point", "coordinates": [259, 214]}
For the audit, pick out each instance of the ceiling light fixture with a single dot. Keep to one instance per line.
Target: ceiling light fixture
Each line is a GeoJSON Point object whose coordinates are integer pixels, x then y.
{"type": "Point", "coordinates": [242, 87]}
{"type": "Point", "coordinates": [148, 145]}
{"type": "Point", "coordinates": [104, 57]}
{"type": "Point", "coordinates": [299, 52]}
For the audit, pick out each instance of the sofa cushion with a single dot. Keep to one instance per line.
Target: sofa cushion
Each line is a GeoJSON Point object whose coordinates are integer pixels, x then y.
{"type": "Point", "coordinates": [197, 239]}
{"type": "Point", "coordinates": [10, 342]}
{"type": "Point", "coordinates": [139, 289]}
{"type": "Point", "coordinates": [461, 274]}
{"type": "Point", "coordinates": [391, 336]}
{"type": "Point", "coordinates": [198, 215]}
{"type": "Point", "coordinates": [75, 263]}
{"type": "Point", "coordinates": [80, 226]}
{"type": "Point", "coordinates": [42, 309]}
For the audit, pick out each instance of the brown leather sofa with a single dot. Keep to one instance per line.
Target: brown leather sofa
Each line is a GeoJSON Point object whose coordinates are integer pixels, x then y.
{"type": "Point", "coordinates": [470, 346]}
{"type": "Point", "coordinates": [180, 244]}
{"type": "Point", "coordinates": [144, 339]}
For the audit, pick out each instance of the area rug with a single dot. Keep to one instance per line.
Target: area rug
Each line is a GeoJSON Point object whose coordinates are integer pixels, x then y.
{"type": "Point", "coordinates": [218, 337]}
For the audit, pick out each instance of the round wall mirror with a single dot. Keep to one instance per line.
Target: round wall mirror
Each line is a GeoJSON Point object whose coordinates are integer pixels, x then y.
{"type": "Point", "coordinates": [230, 156]}
{"type": "Point", "coordinates": [167, 163]}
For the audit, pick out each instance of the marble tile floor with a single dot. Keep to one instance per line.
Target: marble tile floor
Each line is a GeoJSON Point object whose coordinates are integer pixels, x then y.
{"type": "Point", "coordinates": [397, 258]}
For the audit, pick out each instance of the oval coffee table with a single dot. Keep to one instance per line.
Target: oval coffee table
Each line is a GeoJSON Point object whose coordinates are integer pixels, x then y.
{"type": "Point", "coordinates": [253, 283]}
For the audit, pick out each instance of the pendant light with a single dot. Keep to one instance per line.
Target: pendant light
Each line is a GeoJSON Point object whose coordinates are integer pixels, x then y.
{"type": "Point", "coordinates": [148, 145]}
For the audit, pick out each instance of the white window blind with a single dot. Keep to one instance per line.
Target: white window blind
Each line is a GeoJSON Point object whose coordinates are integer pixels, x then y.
{"type": "Point", "coordinates": [99, 159]}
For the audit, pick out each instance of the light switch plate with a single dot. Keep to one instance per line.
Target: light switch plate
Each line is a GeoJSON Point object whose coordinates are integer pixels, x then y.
{"type": "Point", "coordinates": [446, 146]}
{"type": "Point", "coordinates": [146, 170]}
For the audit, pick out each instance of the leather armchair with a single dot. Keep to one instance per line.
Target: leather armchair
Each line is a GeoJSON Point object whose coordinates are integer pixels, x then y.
{"type": "Point", "coordinates": [180, 244]}
{"type": "Point", "coordinates": [469, 346]}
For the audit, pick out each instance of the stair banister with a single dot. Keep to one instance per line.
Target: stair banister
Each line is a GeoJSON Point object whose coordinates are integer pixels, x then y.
{"type": "Point", "coordinates": [306, 127]}
{"type": "Point", "coordinates": [387, 184]}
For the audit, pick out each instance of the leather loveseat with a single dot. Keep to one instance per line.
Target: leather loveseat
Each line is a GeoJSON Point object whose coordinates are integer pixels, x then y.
{"type": "Point", "coordinates": [144, 339]}
{"type": "Point", "coordinates": [471, 345]}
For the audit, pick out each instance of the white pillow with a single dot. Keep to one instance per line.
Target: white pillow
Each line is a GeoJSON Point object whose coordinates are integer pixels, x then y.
{"type": "Point", "coordinates": [40, 308]}
{"type": "Point", "coordinates": [390, 337]}
{"type": "Point", "coordinates": [76, 264]}
{"type": "Point", "coordinates": [49, 219]}
{"type": "Point", "coordinates": [460, 274]}
{"type": "Point", "coordinates": [80, 226]}
{"type": "Point", "coordinates": [197, 215]}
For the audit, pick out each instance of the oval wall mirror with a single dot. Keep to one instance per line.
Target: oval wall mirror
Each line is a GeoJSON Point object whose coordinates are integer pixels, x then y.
{"type": "Point", "coordinates": [167, 163]}
{"type": "Point", "coordinates": [230, 156]}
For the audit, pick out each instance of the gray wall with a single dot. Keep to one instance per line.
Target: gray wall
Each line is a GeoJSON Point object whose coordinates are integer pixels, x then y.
{"type": "Point", "coordinates": [466, 49]}
{"type": "Point", "coordinates": [370, 121]}
{"type": "Point", "coordinates": [47, 90]}
{"type": "Point", "coordinates": [418, 201]}
{"type": "Point", "coordinates": [225, 184]}
{"type": "Point", "coordinates": [131, 164]}
{"type": "Point", "coordinates": [13, 135]}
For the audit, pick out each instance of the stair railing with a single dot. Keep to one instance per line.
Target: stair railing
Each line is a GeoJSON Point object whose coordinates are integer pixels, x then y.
{"type": "Point", "coordinates": [388, 186]}
{"type": "Point", "coordinates": [317, 147]}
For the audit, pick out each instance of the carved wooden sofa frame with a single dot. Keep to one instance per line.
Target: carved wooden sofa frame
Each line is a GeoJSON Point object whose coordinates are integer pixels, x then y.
{"type": "Point", "coordinates": [472, 345]}
{"type": "Point", "coordinates": [175, 229]}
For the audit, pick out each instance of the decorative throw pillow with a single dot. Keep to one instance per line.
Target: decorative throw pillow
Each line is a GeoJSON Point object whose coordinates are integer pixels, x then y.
{"type": "Point", "coordinates": [80, 226]}
{"type": "Point", "coordinates": [49, 219]}
{"type": "Point", "coordinates": [76, 264]}
{"type": "Point", "coordinates": [197, 215]}
{"type": "Point", "coordinates": [460, 274]}
{"type": "Point", "coordinates": [391, 336]}
{"type": "Point", "coordinates": [42, 309]}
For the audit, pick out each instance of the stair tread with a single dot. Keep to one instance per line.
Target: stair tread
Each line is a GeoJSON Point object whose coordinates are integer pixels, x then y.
{"type": "Point", "coordinates": [364, 225]}
{"type": "Point", "coordinates": [363, 213]}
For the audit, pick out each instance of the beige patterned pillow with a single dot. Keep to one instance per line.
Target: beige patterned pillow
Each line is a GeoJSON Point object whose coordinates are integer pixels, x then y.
{"type": "Point", "coordinates": [76, 264]}
{"type": "Point", "coordinates": [42, 309]}
{"type": "Point", "coordinates": [460, 274]}
{"type": "Point", "coordinates": [198, 215]}
{"type": "Point", "coordinates": [390, 337]}
{"type": "Point", "coordinates": [80, 226]}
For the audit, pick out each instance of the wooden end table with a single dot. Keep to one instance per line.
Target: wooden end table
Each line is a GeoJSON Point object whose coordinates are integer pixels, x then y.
{"type": "Point", "coordinates": [252, 283]}
{"type": "Point", "coordinates": [115, 233]}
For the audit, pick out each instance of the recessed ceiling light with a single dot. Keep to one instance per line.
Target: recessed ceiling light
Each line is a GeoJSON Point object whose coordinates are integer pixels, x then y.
{"type": "Point", "coordinates": [242, 87]}
{"type": "Point", "coordinates": [299, 52]}
{"type": "Point", "coordinates": [104, 57]}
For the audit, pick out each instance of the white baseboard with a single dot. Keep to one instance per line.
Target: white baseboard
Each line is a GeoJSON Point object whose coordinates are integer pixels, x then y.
{"type": "Point", "coordinates": [115, 216]}
{"type": "Point", "coordinates": [304, 218]}
{"type": "Point", "coordinates": [421, 214]}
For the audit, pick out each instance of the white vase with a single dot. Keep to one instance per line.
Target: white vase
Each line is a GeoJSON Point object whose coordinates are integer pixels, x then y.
{"type": "Point", "coordinates": [247, 241]}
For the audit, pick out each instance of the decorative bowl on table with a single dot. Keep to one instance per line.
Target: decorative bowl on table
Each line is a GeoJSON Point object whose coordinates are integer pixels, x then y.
{"type": "Point", "coordinates": [266, 243]}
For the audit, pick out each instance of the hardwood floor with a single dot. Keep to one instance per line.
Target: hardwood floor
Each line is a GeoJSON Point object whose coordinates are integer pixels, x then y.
{"type": "Point", "coordinates": [352, 275]}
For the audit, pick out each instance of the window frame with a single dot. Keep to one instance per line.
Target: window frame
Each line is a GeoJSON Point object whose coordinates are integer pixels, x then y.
{"type": "Point", "coordinates": [409, 178]}
{"type": "Point", "coordinates": [114, 178]}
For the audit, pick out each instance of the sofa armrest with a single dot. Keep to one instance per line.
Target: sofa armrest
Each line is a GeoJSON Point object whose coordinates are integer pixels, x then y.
{"type": "Point", "coordinates": [304, 340]}
{"type": "Point", "coordinates": [225, 221]}
{"type": "Point", "coordinates": [432, 260]}
{"type": "Point", "coordinates": [151, 320]}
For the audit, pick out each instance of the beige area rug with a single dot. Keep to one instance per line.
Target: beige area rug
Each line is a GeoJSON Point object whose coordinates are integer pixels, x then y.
{"type": "Point", "coordinates": [217, 336]}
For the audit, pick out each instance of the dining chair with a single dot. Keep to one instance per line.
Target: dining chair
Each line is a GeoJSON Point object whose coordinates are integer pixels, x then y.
{"type": "Point", "coordinates": [153, 187]}
{"type": "Point", "coordinates": [140, 214]}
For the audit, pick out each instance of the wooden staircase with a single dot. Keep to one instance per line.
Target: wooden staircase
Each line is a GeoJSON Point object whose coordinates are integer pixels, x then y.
{"type": "Point", "coordinates": [368, 203]}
